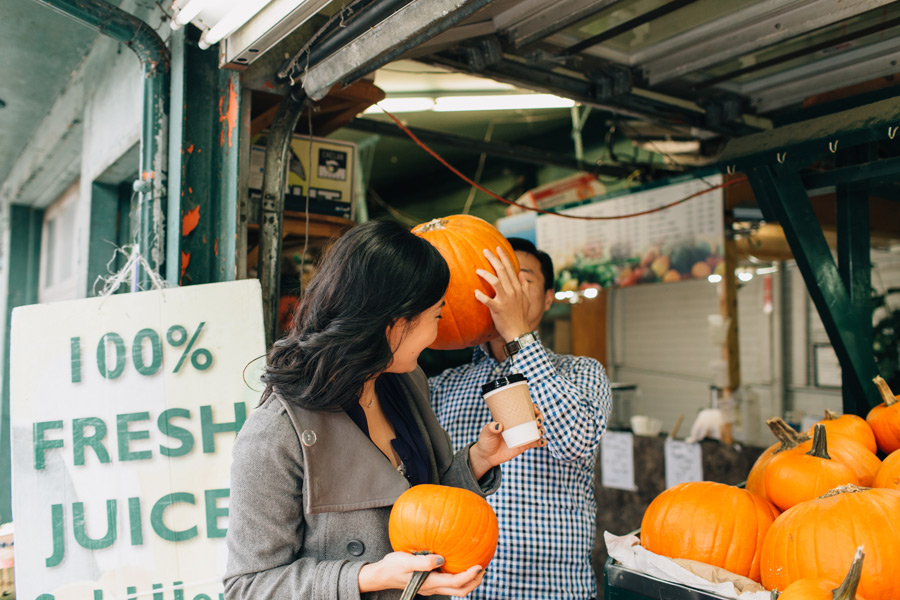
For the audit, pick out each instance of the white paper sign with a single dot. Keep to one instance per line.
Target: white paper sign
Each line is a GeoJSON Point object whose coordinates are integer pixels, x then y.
{"type": "Point", "coordinates": [617, 460]}
{"type": "Point", "coordinates": [124, 411]}
{"type": "Point", "coordinates": [684, 462]}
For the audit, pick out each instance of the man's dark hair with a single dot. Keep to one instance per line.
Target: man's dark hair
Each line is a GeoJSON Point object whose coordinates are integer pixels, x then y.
{"type": "Point", "coordinates": [523, 245]}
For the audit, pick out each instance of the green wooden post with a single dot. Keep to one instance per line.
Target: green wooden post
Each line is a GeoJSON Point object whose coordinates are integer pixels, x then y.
{"type": "Point", "coordinates": [25, 225]}
{"type": "Point", "coordinates": [203, 167]}
{"type": "Point", "coordinates": [855, 267]}
{"type": "Point", "coordinates": [783, 198]}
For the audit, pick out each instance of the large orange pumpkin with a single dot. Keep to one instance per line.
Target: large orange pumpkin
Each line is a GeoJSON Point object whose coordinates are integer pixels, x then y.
{"type": "Point", "coordinates": [888, 474]}
{"type": "Point", "coordinates": [818, 589]}
{"type": "Point", "coordinates": [795, 477]}
{"type": "Point", "coordinates": [885, 418]}
{"type": "Point", "coordinates": [461, 240]}
{"type": "Point", "coordinates": [437, 519]}
{"type": "Point", "coordinates": [710, 522]}
{"type": "Point", "coordinates": [852, 426]}
{"type": "Point", "coordinates": [817, 539]}
{"type": "Point", "coordinates": [788, 439]}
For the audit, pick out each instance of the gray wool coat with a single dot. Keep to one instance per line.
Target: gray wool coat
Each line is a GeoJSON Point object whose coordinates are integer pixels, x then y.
{"type": "Point", "coordinates": [311, 496]}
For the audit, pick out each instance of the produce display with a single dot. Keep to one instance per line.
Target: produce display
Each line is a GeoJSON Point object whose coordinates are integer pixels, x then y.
{"type": "Point", "coordinates": [820, 482]}
{"type": "Point", "coordinates": [455, 523]}
{"type": "Point", "coordinates": [714, 523]}
{"type": "Point", "coordinates": [607, 267]}
{"type": "Point", "coordinates": [461, 240]}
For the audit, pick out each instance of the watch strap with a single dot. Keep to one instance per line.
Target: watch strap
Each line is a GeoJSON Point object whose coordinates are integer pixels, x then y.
{"type": "Point", "coordinates": [519, 342]}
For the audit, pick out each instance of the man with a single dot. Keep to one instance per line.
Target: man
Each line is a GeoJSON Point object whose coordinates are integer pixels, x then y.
{"type": "Point", "coordinates": [545, 503]}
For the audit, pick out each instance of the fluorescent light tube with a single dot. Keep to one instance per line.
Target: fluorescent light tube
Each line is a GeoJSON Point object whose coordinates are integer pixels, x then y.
{"type": "Point", "coordinates": [236, 17]}
{"type": "Point", "coordinates": [500, 102]}
{"type": "Point", "coordinates": [187, 13]}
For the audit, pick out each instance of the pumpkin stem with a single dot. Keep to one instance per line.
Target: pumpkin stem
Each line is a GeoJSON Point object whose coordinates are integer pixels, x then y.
{"type": "Point", "coordinates": [847, 589]}
{"type": "Point", "coordinates": [415, 582]}
{"type": "Point", "coordinates": [886, 394]}
{"type": "Point", "coordinates": [786, 434]}
{"type": "Point", "coordinates": [432, 225]}
{"type": "Point", "coordinates": [820, 443]}
{"type": "Point", "coordinates": [844, 489]}
{"type": "Point", "coordinates": [830, 415]}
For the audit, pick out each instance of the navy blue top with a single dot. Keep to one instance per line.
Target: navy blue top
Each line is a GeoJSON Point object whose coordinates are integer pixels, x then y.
{"type": "Point", "coordinates": [408, 444]}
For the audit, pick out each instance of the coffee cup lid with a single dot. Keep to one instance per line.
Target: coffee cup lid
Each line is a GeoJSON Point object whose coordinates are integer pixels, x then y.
{"type": "Point", "coordinates": [490, 386]}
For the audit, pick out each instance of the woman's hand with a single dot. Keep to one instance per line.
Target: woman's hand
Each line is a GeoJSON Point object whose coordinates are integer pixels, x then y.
{"type": "Point", "coordinates": [491, 450]}
{"type": "Point", "coordinates": [509, 306]}
{"type": "Point", "coordinates": [394, 571]}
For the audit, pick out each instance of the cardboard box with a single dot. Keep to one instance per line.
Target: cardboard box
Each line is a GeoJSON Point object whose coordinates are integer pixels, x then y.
{"type": "Point", "coordinates": [330, 179]}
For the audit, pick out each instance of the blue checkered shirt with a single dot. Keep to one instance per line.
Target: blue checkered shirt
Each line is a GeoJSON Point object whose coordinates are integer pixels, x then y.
{"type": "Point", "coordinates": [545, 503]}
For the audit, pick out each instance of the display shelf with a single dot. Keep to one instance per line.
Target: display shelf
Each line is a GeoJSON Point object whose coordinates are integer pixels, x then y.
{"type": "Point", "coordinates": [621, 583]}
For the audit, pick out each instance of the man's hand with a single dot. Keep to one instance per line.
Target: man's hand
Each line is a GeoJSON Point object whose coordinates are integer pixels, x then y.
{"type": "Point", "coordinates": [509, 306]}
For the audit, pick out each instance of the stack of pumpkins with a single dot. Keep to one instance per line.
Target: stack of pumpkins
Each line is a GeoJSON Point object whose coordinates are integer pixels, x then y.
{"type": "Point", "coordinates": [810, 501]}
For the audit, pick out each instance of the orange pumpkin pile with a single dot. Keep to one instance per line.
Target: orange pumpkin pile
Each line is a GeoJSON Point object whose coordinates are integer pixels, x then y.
{"type": "Point", "coordinates": [837, 495]}
{"type": "Point", "coordinates": [461, 240]}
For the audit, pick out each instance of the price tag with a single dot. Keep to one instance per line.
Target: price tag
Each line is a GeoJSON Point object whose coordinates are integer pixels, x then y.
{"type": "Point", "coordinates": [617, 460]}
{"type": "Point", "coordinates": [683, 462]}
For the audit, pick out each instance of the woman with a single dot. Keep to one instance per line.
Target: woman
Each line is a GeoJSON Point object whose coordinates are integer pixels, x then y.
{"type": "Point", "coordinates": [344, 427]}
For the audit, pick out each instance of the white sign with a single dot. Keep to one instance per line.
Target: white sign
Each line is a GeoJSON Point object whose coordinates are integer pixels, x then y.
{"type": "Point", "coordinates": [124, 411]}
{"type": "Point", "coordinates": [684, 462]}
{"type": "Point", "coordinates": [617, 460]}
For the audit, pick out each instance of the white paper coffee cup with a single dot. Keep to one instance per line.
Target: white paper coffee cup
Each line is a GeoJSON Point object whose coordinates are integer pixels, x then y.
{"type": "Point", "coordinates": [510, 404]}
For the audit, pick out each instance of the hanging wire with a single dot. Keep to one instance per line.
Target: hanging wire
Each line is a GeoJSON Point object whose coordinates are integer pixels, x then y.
{"type": "Point", "coordinates": [456, 171]}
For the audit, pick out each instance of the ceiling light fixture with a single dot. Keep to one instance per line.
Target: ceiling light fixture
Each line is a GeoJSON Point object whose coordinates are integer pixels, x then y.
{"type": "Point", "coordinates": [237, 16]}
{"type": "Point", "coordinates": [187, 13]}
{"type": "Point", "coordinates": [470, 103]}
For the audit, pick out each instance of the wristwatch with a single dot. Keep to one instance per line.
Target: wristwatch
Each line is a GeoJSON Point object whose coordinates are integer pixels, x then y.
{"type": "Point", "coordinates": [520, 342]}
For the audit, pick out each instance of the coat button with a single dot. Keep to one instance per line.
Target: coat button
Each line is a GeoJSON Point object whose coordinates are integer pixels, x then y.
{"type": "Point", "coordinates": [308, 437]}
{"type": "Point", "coordinates": [356, 547]}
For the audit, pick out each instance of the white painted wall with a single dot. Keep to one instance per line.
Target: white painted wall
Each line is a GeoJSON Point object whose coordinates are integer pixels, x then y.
{"type": "Point", "coordinates": [659, 340]}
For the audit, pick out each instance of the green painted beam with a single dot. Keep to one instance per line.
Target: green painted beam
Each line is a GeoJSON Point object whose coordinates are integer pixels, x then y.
{"type": "Point", "coordinates": [885, 169]}
{"type": "Point", "coordinates": [25, 225]}
{"type": "Point", "coordinates": [203, 166]}
{"type": "Point", "coordinates": [783, 198]}
{"type": "Point", "coordinates": [811, 139]}
{"type": "Point", "coordinates": [855, 266]}
{"type": "Point", "coordinates": [104, 234]}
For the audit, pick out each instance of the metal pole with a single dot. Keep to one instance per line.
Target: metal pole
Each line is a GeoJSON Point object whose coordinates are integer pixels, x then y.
{"type": "Point", "coordinates": [151, 51]}
{"type": "Point", "coordinates": [272, 217]}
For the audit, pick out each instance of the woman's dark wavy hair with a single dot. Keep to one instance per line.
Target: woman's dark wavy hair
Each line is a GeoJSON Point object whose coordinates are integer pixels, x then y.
{"type": "Point", "coordinates": [374, 275]}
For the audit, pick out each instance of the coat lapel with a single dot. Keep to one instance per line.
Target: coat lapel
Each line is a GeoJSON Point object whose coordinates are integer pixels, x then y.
{"type": "Point", "coordinates": [343, 469]}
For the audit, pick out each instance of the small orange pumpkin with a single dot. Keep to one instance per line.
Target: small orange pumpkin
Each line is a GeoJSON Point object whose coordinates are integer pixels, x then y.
{"type": "Point", "coordinates": [455, 523]}
{"type": "Point", "coordinates": [885, 418]}
{"type": "Point", "coordinates": [852, 426]}
{"type": "Point", "coordinates": [714, 523]}
{"type": "Point", "coordinates": [815, 539]}
{"type": "Point", "coordinates": [795, 477]}
{"type": "Point", "coordinates": [818, 589]}
{"type": "Point", "coordinates": [461, 240]}
{"type": "Point", "coordinates": [854, 455]}
{"type": "Point", "coordinates": [788, 439]}
{"type": "Point", "coordinates": [888, 474]}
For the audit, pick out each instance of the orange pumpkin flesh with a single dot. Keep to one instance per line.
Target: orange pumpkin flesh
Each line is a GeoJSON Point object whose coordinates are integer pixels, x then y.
{"type": "Point", "coordinates": [817, 589]}
{"type": "Point", "coordinates": [457, 524]}
{"type": "Point", "coordinates": [885, 418]}
{"type": "Point", "coordinates": [788, 439]}
{"type": "Point", "coordinates": [817, 538]}
{"type": "Point", "coordinates": [461, 240]}
{"type": "Point", "coordinates": [796, 477]}
{"type": "Point", "coordinates": [888, 474]}
{"type": "Point", "coordinates": [852, 426]}
{"type": "Point", "coordinates": [714, 523]}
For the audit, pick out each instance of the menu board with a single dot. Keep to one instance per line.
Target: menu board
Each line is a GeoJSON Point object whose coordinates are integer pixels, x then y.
{"type": "Point", "coordinates": [682, 242]}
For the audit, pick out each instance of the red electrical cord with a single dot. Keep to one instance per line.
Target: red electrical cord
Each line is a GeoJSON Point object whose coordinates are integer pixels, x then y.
{"type": "Point", "coordinates": [550, 212]}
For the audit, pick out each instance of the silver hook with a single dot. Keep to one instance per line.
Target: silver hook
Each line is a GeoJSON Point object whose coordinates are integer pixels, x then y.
{"type": "Point", "coordinates": [832, 146]}
{"type": "Point", "coordinates": [729, 169]}
{"type": "Point", "coordinates": [781, 156]}
{"type": "Point", "coordinates": [892, 131]}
